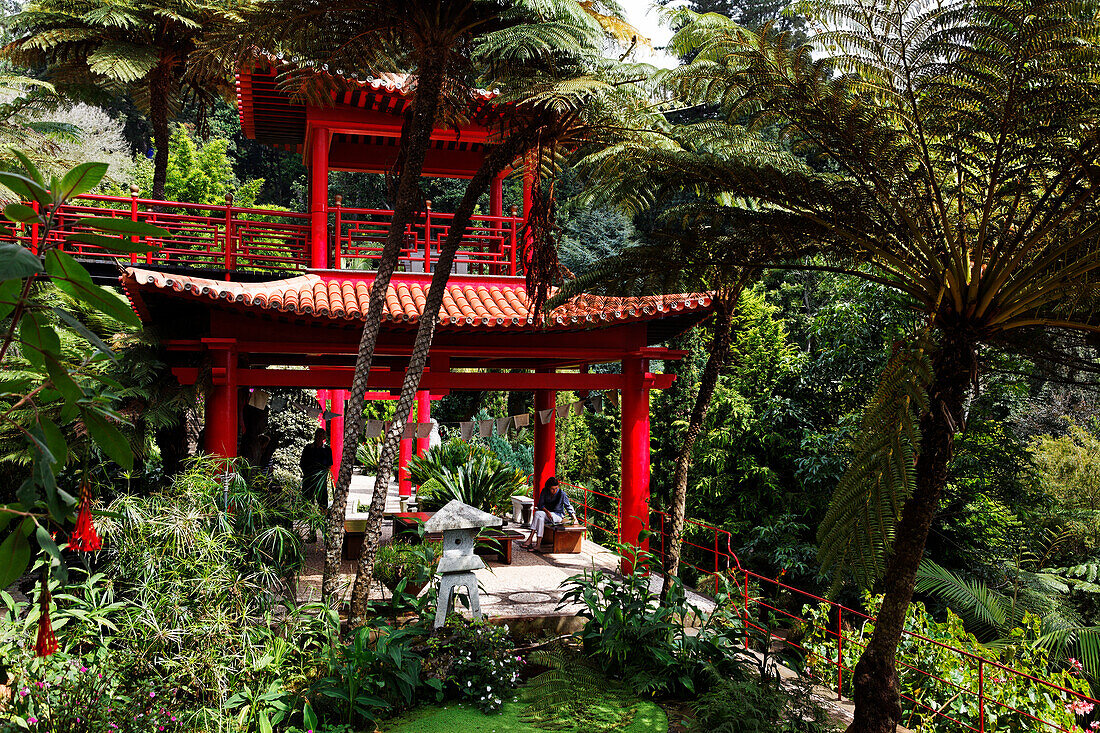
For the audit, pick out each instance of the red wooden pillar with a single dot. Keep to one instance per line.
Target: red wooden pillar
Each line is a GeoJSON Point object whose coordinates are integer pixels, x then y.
{"type": "Point", "coordinates": [530, 172]}
{"type": "Point", "coordinates": [545, 439]}
{"type": "Point", "coordinates": [423, 414]}
{"type": "Point", "coordinates": [404, 484]}
{"type": "Point", "coordinates": [322, 399]}
{"type": "Point", "coordinates": [336, 437]}
{"type": "Point", "coordinates": [496, 196]}
{"type": "Point", "coordinates": [318, 199]}
{"type": "Point", "coordinates": [221, 400]}
{"type": "Point", "coordinates": [634, 512]}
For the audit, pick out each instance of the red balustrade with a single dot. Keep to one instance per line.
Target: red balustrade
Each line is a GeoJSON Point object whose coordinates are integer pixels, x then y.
{"type": "Point", "coordinates": [233, 238]}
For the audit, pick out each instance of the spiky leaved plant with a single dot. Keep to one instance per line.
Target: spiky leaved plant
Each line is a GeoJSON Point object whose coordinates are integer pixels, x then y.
{"type": "Point", "coordinates": [957, 147]}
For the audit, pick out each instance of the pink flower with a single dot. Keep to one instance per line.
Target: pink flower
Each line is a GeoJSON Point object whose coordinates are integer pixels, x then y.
{"type": "Point", "coordinates": [152, 694]}
{"type": "Point", "coordinates": [83, 669]}
{"type": "Point", "coordinates": [1079, 707]}
{"type": "Point", "coordinates": [1075, 666]}
{"type": "Point", "coordinates": [24, 692]}
{"type": "Point", "coordinates": [32, 721]}
{"type": "Point", "coordinates": [1095, 725]}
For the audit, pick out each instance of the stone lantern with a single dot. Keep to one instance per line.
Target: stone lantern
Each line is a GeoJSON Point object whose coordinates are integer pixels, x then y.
{"type": "Point", "coordinates": [459, 524]}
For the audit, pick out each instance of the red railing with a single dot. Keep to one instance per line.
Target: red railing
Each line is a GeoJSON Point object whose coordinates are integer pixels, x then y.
{"type": "Point", "coordinates": [216, 237]}
{"type": "Point", "coordinates": [981, 698]}
{"type": "Point", "coordinates": [232, 238]}
{"type": "Point", "coordinates": [490, 246]}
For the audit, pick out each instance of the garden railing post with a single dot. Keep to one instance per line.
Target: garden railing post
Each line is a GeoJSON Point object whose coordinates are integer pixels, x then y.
{"type": "Point", "coordinates": [745, 610]}
{"type": "Point", "coordinates": [839, 652]}
{"type": "Point", "coordinates": [428, 236]}
{"type": "Point", "coordinates": [981, 695]}
{"type": "Point", "coordinates": [34, 229]}
{"type": "Point", "coordinates": [338, 202]}
{"type": "Point", "coordinates": [228, 234]}
{"type": "Point", "coordinates": [134, 217]}
{"type": "Point", "coordinates": [515, 254]}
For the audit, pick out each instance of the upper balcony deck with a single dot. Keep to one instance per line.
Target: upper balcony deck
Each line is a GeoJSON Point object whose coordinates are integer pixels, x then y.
{"type": "Point", "coordinates": [256, 243]}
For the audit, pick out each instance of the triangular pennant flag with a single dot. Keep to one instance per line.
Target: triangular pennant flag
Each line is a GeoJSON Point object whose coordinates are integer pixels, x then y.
{"type": "Point", "coordinates": [613, 398]}
{"type": "Point", "coordinates": [563, 410]}
{"type": "Point", "coordinates": [578, 407]}
{"type": "Point", "coordinates": [410, 431]}
{"type": "Point", "coordinates": [466, 429]}
{"type": "Point", "coordinates": [503, 423]}
{"type": "Point", "coordinates": [523, 420]}
{"type": "Point", "coordinates": [423, 430]}
{"type": "Point", "coordinates": [544, 416]}
{"type": "Point", "coordinates": [485, 428]}
{"type": "Point", "coordinates": [374, 429]}
{"type": "Point", "coordinates": [596, 403]}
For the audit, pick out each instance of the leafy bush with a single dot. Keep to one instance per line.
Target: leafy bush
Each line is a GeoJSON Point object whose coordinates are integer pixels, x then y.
{"type": "Point", "coordinates": [643, 641]}
{"type": "Point", "coordinates": [481, 481]}
{"type": "Point", "coordinates": [477, 661]}
{"type": "Point", "coordinates": [741, 705]}
{"type": "Point", "coordinates": [441, 459]}
{"type": "Point", "coordinates": [399, 561]}
{"type": "Point", "coordinates": [1003, 691]}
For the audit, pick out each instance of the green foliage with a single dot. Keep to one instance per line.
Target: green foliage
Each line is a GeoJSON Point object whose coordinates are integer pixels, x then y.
{"type": "Point", "coordinates": [949, 682]}
{"type": "Point", "coordinates": [480, 480]}
{"type": "Point", "coordinates": [475, 661]}
{"type": "Point", "coordinates": [399, 562]}
{"type": "Point", "coordinates": [858, 530]}
{"type": "Point", "coordinates": [1068, 467]}
{"type": "Point", "coordinates": [742, 705]}
{"type": "Point", "coordinates": [54, 387]}
{"type": "Point", "coordinates": [643, 642]}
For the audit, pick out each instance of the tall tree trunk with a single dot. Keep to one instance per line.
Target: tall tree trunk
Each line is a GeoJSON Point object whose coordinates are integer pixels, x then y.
{"type": "Point", "coordinates": [877, 699]}
{"type": "Point", "coordinates": [717, 356]}
{"type": "Point", "coordinates": [498, 159]}
{"type": "Point", "coordinates": [419, 130]}
{"type": "Point", "coordinates": [159, 87]}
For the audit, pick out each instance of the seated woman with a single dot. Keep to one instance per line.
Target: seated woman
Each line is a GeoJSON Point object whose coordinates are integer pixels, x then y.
{"type": "Point", "coordinates": [552, 507]}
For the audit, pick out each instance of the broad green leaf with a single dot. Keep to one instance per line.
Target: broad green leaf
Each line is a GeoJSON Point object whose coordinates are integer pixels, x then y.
{"type": "Point", "coordinates": [265, 723]}
{"type": "Point", "coordinates": [25, 188]}
{"type": "Point", "coordinates": [114, 244]}
{"type": "Point", "coordinates": [29, 167]}
{"type": "Point", "coordinates": [71, 278]}
{"type": "Point", "coordinates": [55, 439]}
{"type": "Point", "coordinates": [15, 554]}
{"type": "Point", "coordinates": [122, 226]}
{"type": "Point", "coordinates": [62, 380]}
{"type": "Point", "coordinates": [74, 323]}
{"type": "Point", "coordinates": [108, 438]}
{"type": "Point", "coordinates": [47, 543]}
{"type": "Point", "coordinates": [6, 516]}
{"type": "Point", "coordinates": [9, 296]}
{"type": "Point", "coordinates": [22, 214]}
{"type": "Point", "coordinates": [38, 339]}
{"type": "Point", "coordinates": [84, 177]}
{"type": "Point", "coordinates": [17, 262]}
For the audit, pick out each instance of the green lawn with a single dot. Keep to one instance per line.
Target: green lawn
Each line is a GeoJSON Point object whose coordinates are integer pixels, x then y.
{"type": "Point", "coordinates": [607, 716]}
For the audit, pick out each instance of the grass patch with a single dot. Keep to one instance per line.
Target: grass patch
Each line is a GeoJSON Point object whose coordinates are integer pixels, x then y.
{"type": "Point", "coordinates": [611, 714]}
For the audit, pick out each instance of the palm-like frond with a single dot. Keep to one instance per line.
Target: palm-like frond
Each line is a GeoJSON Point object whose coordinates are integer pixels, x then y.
{"type": "Point", "coordinates": [972, 600]}
{"type": "Point", "coordinates": [858, 530]}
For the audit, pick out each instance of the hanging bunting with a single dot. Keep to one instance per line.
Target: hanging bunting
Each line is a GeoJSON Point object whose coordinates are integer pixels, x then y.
{"type": "Point", "coordinates": [423, 430]}
{"type": "Point", "coordinates": [503, 423]}
{"type": "Point", "coordinates": [613, 397]}
{"type": "Point", "coordinates": [523, 420]}
{"type": "Point", "coordinates": [595, 403]}
{"type": "Point", "coordinates": [563, 410]}
{"type": "Point", "coordinates": [544, 416]}
{"type": "Point", "coordinates": [373, 430]}
{"type": "Point", "coordinates": [485, 428]}
{"type": "Point", "coordinates": [466, 429]}
{"type": "Point", "coordinates": [578, 407]}
{"type": "Point", "coordinates": [409, 432]}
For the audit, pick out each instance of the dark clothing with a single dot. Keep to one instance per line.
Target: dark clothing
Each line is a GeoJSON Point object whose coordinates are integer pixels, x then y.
{"type": "Point", "coordinates": [555, 503]}
{"type": "Point", "coordinates": [316, 462]}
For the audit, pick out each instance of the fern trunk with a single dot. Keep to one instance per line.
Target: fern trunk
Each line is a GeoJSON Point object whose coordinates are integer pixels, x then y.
{"type": "Point", "coordinates": [717, 357]}
{"type": "Point", "coordinates": [417, 137]}
{"type": "Point", "coordinates": [498, 159]}
{"type": "Point", "coordinates": [877, 699]}
{"type": "Point", "coordinates": [159, 86]}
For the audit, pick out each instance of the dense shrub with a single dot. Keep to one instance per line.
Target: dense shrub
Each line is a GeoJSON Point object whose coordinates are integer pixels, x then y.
{"type": "Point", "coordinates": [477, 661]}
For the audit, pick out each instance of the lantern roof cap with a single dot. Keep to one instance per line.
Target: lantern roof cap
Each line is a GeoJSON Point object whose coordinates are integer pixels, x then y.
{"type": "Point", "coordinates": [456, 515]}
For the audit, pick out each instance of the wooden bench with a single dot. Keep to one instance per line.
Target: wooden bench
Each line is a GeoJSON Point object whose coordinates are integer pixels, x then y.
{"type": "Point", "coordinates": [565, 538]}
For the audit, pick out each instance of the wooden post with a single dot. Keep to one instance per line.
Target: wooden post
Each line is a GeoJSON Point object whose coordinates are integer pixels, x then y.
{"type": "Point", "coordinates": [336, 436]}
{"type": "Point", "coordinates": [545, 440]}
{"type": "Point", "coordinates": [423, 414]}
{"type": "Point", "coordinates": [404, 484]}
{"type": "Point", "coordinates": [634, 512]}
{"type": "Point", "coordinates": [514, 245]}
{"type": "Point", "coordinates": [318, 206]}
{"type": "Point", "coordinates": [230, 261]}
{"type": "Point", "coordinates": [221, 400]}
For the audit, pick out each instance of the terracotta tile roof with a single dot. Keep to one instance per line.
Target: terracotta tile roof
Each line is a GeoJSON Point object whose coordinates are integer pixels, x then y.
{"type": "Point", "coordinates": [469, 302]}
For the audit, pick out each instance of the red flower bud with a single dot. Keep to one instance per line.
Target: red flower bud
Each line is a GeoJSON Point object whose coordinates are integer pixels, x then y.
{"type": "Point", "coordinates": [46, 644]}
{"type": "Point", "coordinates": [84, 537]}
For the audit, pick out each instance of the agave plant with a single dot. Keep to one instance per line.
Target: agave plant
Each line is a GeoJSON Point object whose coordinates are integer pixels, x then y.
{"type": "Point", "coordinates": [441, 459]}
{"type": "Point", "coordinates": [482, 481]}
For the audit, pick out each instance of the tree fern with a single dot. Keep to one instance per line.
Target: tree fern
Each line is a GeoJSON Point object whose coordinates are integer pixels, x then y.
{"type": "Point", "coordinates": [858, 530]}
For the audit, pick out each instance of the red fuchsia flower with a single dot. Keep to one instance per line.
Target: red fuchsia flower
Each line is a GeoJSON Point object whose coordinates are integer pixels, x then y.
{"type": "Point", "coordinates": [84, 537]}
{"type": "Point", "coordinates": [46, 644]}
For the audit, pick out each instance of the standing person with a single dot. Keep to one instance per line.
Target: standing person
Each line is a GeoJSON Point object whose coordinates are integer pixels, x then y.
{"type": "Point", "coordinates": [552, 506]}
{"type": "Point", "coordinates": [316, 462]}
